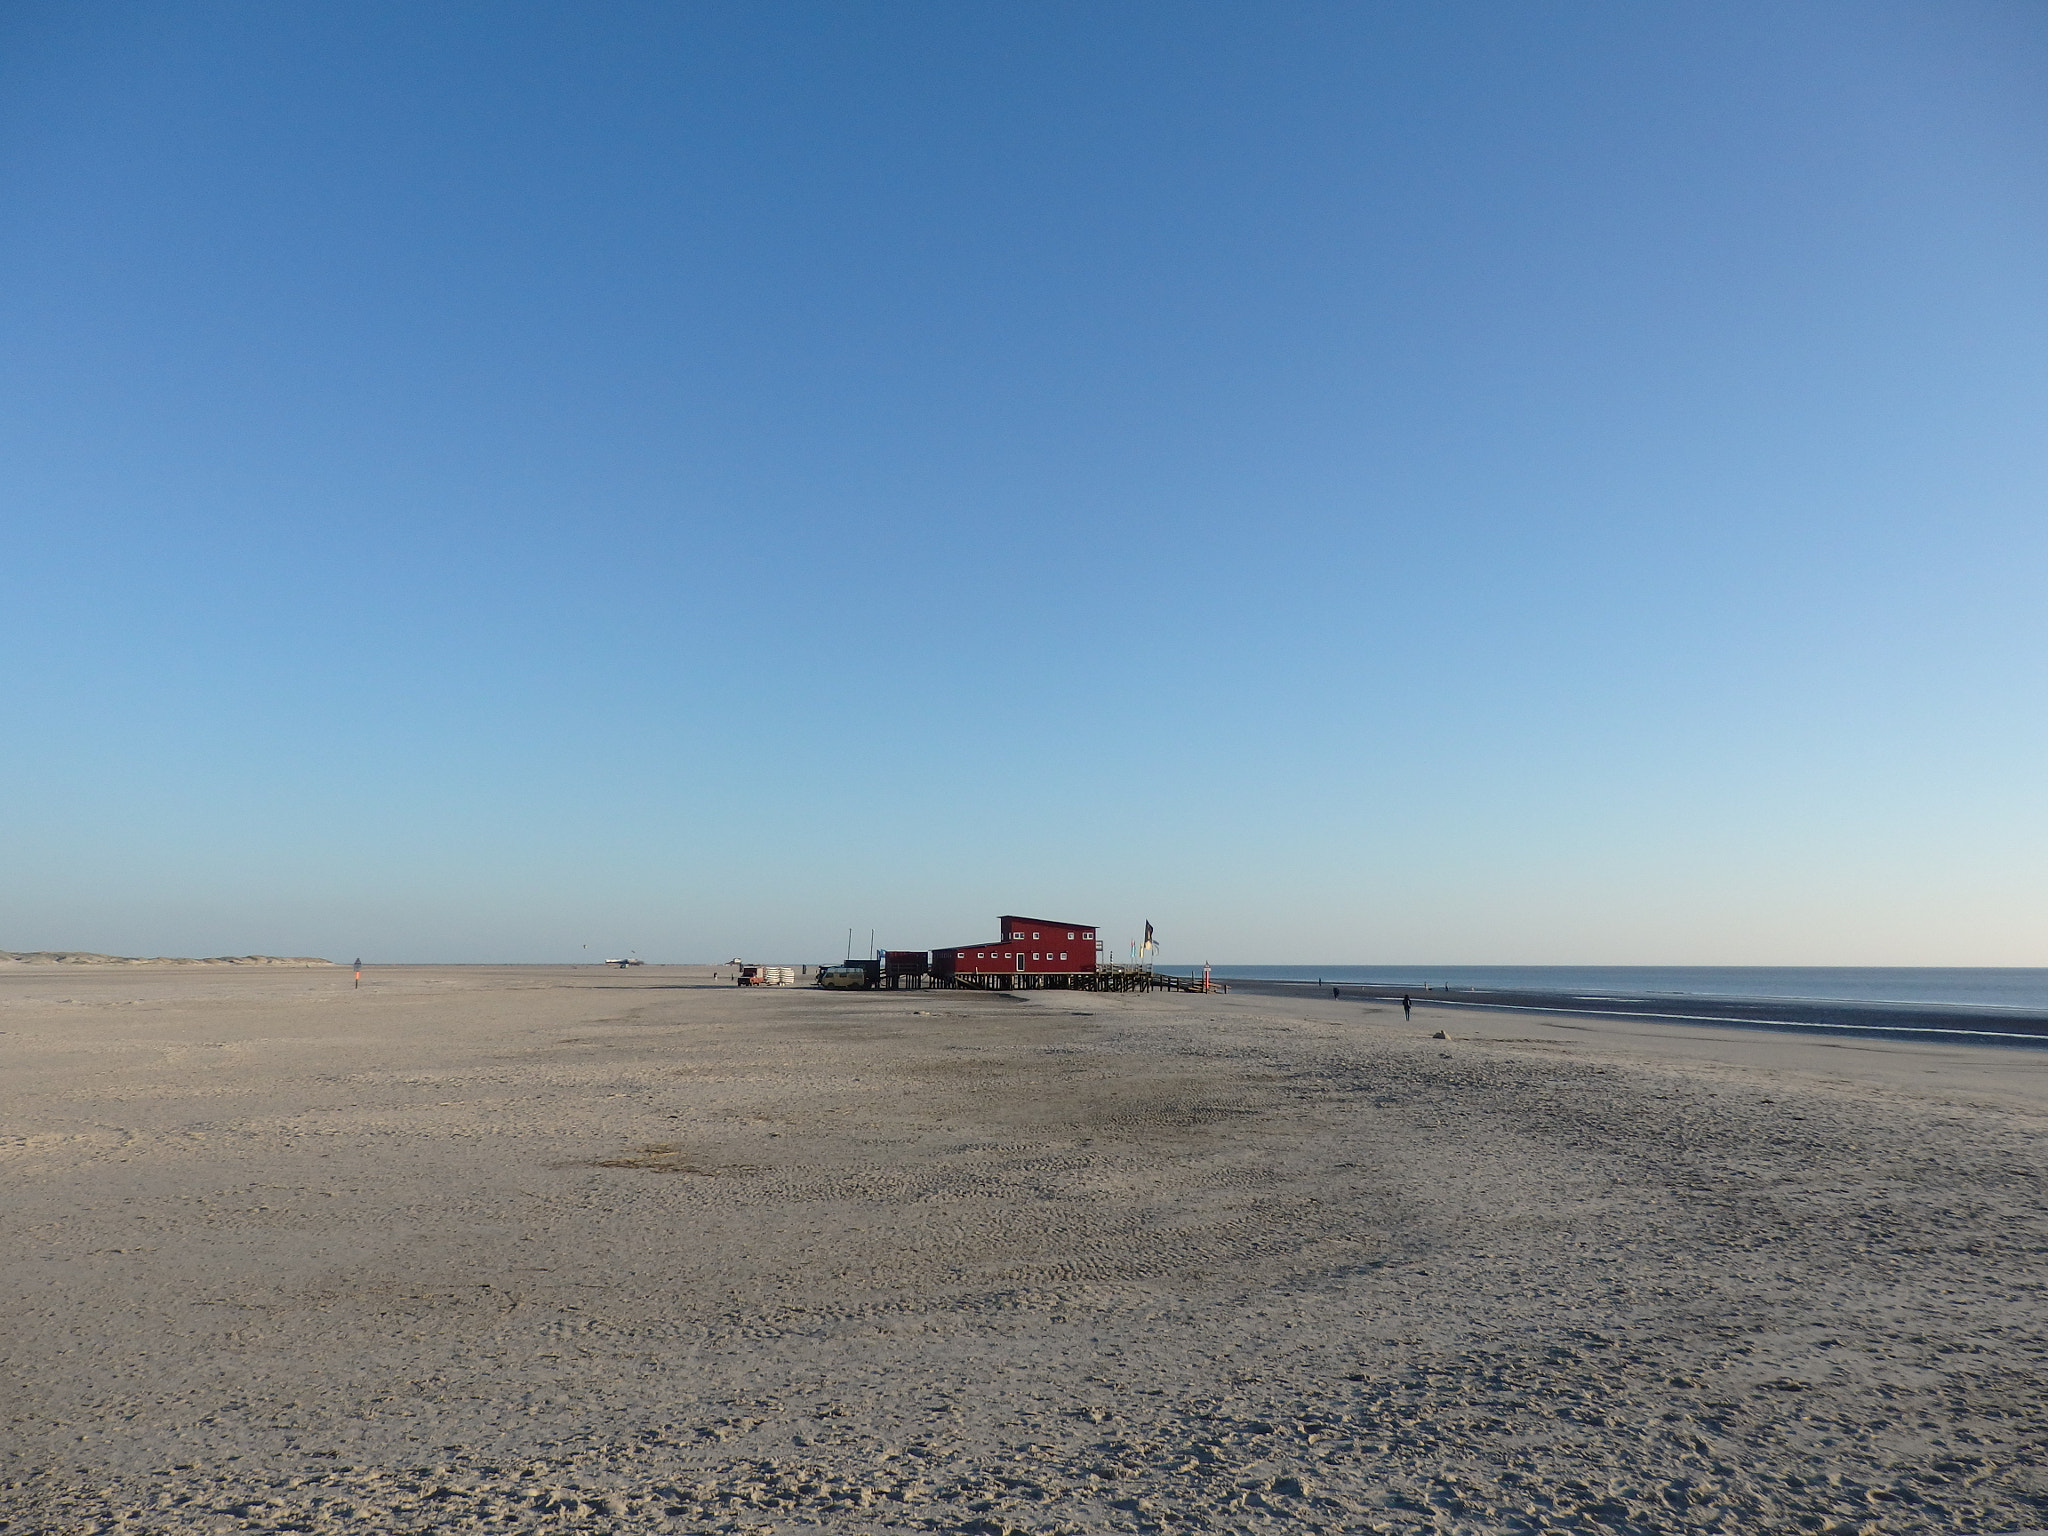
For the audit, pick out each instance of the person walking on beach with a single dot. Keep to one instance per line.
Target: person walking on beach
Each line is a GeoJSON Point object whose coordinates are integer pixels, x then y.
{"type": "Point", "coordinates": [359, 971]}
{"type": "Point", "coordinates": [1407, 1006]}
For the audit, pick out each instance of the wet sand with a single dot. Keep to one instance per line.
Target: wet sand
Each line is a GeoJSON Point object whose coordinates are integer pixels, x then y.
{"type": "Point", "coordinates": [489, 1249]}
{"type": "Point", "coordinates": [1900, 1020]}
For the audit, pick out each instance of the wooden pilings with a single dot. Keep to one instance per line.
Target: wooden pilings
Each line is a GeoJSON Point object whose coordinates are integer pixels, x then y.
{"type": "Point", "coordinates": [1112, 978]}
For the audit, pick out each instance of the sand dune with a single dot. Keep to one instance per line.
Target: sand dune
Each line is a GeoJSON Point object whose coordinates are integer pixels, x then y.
{"type": "Point", "coordinates": [601, 1250]}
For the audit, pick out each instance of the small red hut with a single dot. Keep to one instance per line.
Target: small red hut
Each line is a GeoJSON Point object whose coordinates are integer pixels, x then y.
{"type": "Point", "coordinates": [905, 967]}
{"type": "Point", "coordinates": [1028, 949]}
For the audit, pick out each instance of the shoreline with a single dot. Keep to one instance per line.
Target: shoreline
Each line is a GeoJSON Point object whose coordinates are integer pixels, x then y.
{"type": "Point", "coordinates": [1869, 1018]}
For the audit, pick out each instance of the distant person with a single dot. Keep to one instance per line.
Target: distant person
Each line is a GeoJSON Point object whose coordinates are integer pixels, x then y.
{"type": "Point", "coordinates": [359, 970]}
{"type": "Point", "coordinates": [1335, 993]}
{"type": "Point", "coordinates": [1407, 1006]}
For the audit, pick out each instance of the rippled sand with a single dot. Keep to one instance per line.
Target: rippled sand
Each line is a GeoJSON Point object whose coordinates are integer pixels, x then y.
{"type": "Point", "coordinates": [484, 1249]}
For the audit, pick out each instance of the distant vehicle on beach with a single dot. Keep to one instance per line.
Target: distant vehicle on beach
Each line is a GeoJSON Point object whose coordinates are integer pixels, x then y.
{"type": "Point", "coordinates": [622, 964]}
{"type": "Point", "coordinates": [850, 977]}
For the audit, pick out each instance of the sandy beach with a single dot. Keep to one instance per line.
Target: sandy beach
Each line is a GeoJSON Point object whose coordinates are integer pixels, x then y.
{"type": "Point", "coordinates": [497, 1248]}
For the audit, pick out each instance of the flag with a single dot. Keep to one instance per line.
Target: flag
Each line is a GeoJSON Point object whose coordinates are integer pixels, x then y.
{"type": "Point", "coordinates": [1150, 944]}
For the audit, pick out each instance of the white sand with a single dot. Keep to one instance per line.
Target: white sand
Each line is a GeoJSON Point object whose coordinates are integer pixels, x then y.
{"type": "Point", "coordinates": [482, 1249]}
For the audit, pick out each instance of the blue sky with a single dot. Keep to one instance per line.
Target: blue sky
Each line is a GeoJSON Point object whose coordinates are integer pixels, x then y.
{"type": "Point", "coordinates": [1394, 483]}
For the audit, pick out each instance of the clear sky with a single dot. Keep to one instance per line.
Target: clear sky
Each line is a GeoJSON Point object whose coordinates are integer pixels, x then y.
{"type": "Point", "coordinates": [1352, 483]}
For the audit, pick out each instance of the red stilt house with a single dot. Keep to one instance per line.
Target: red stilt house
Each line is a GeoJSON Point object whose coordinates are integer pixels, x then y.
{"type": "Point", "coordinates": [1029, 952]}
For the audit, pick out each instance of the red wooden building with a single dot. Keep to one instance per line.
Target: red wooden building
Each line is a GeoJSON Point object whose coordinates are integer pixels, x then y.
{"type": "Point", "coordinates": [1029, 948]}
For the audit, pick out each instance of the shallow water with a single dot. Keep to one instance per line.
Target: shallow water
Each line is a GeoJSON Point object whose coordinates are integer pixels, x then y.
{"type": "Point", "coordinates": [1962, 986]}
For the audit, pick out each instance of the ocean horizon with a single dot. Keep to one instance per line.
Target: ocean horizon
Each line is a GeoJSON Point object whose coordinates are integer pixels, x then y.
{"type": "Point", "coordinates": [2022, 988]}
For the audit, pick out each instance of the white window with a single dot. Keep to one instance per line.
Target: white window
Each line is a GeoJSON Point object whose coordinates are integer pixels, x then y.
{"type": "Point", "coordinates": [1089, 934]}
{"type": "Point", "coordinates": [1034, 935]}
{"type": "Point", "coordinates": [1034, 954]}
{"type": "Point", "coordinates": [1070, 935]}
{"type": "Point", "coordinates": [1063, 954]}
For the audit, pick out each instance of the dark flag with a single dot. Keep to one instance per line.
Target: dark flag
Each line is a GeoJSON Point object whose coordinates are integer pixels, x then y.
{"type": "Point", "coordinates": [1149, 944]}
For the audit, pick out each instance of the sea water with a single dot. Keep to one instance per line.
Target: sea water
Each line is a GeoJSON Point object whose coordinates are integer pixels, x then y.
{"type": "Point", "coordinates": [1959, 986]}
